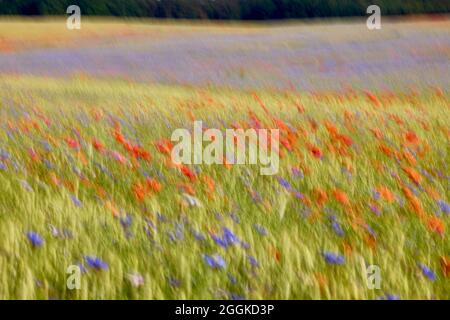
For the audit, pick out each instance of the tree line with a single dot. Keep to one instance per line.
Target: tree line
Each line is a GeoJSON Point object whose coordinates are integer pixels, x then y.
{"type": "Point", "coordinates": [224, 9]}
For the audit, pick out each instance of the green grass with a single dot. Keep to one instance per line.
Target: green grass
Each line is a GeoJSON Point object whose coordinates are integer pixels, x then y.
{"type": "Point", "coordinates": [291, 265]}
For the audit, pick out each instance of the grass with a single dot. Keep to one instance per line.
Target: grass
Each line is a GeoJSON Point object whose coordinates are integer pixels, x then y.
{"type": "Point", "coordinates": [43, 176]}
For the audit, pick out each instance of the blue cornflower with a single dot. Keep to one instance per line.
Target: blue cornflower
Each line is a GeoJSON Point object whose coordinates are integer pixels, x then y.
{"type": "Point", "coordinates": [337, 228]}
{"type": "Point", "coordinates": [232, 279]}
{"type": "Point", "coordinates": [218, 240]}
{"type": "Point", "coordinates": [253, 261]}
{"type": "Point", "coordinates": [376, 195]}
{"type": "Point", "coordinates": [427, 272]}
{"type": "Point", "coordinates": [2, 166]}
{"type": "Point", "coordinates": [215, 261]}
{"type": "Point", "coordinates": [235, 296]}
{"type": "Point", "coordinates": [389, 296]}
{"type": "Point", "coordinates": [198, 235]}
{"type": "Point", "coordinates": [298, 194]}
{"type": "Point", "coordinates": [284, 183]}
{"type": "Point", "coordinates": [96, 263]}
{"type": "Point", "coordinates": [229, 237]}
{"type": "Point", "coordinates": [75, 201]}
{"type": "Point", "coordinates": [35, 239]}
{"type": "Point", "coordinates": [260, 229]}
{"type": "Point", "coordinates": [126, 221]}
{"type": "Point", "coordinates": [297, 173]}
{"type": "Point", "coordinates": [445, 207]}
{"type": "Point", "coordinates": [333, 258]}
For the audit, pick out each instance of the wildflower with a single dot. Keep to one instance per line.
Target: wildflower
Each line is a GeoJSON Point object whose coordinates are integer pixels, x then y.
{"type": "Point", "coordinates": [136, 279]}
{"type": "Point", "coordinates": [126, 221]}
{"type": "Point", "coordinates": [375, 209]}
{"type": "Point", "coordinates": [234, 296]}
{"type": "Point", "coordinates": [445, 207]}
{"type": "Point", "coordinates": [284, 183]}
{"type": "Point", "coordinates": [229, 236]}
{"type": "Point", "coordinates": [411, 137]}
{"type": "Point", "coordinates": [297, 173]}
{"type": "Point", "coordinates": [337, 228]}
{"type": "Point", "coordinates": [96, 263]}
{"type": "Point", "coordinates": [389, 296]}
{"type": "Point", "coordinates": [386, 194]}
{"type": "Point", "coordinates": [98, 145]}
{"type": "Point", "coordinates": [197, 235]}
{"type": "Point", "coordinates": [192, 201]}
{"type": "Point", "coordinates": [316, 152]}
{"type": "Point", "coordinates": [260, 229]}
{"type": "Point", "coordinates": [321, 196]}
{"type": "Point", "coordinates": [341, 197]}
{"type": "Point", "coordinates": [35, 239]}
{"type": "Point", "coordinates": [72, 143]}
{"type": "Point", "coordinates": [413, 175]}
{"type": "Point", "coordinates": [333, 258]}
{"type": "Point", "coordinates": [164, 146]}
{"type": "Point", "coordinates": [427, 272]}
{"type": "Point", "coordinates": [188, 173]}
{"type": "Point", "coordinates": [253, 261]}
{"type": "Point", "coordinates": [435, 224]}
{"type": "Point", "coordinates": [215, 261]}
{"type": "Point", "coordinates": [76, 201]}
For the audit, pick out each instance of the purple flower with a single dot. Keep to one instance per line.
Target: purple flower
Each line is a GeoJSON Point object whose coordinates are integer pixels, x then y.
{"type": "Point", "coordinates": [427, 272]}
{"type": "Point", "coordinates": [229, 236]}
{"type": "Point", "coordinates": [333, 258]}
{"type": "Point", "coordinates": [126, 221]}
{"type": "Point", "coordinates": [297, 173]}
{"type": "Point", "coordinates": [75, 201]}
{"type": "Point", "coordinates": [389, 296]}
{"type": "Point", "coordinates": [96, 263]}
{"type": "Point", "coordinates": [376, 195]}
{"type": "Point", "coordinates": [375, 209]}
{"type": "Point", "coordinates": [35, 239]}
{"type": "Point", "coordinates": [445, 207]}
{"type": "Point", "coordinates": [235, 296]}
{"type": "Point", "coordinates": [198, 235]}
{"type": "Point", "coordinates": [283, 182]}
{"type": "Point", "coordinates": [337, 228]}
{"type": "Point", "coordinates": [260, 229]}
{"type": "Point", "coordinates": [218, 240]}
{"type": "Point", "coordinates": [253, 261]}
{"type": "Point", "coordinates": [298, 194]}
{"type": "Point", "coordinates": [215, 261]}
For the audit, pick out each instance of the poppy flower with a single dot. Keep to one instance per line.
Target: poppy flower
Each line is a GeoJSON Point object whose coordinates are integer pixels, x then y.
{"type": "Point", "coordinates": [98, 145]}
{"type": "Point", "coordinates": [341, 197]}
{"type": "Point", "coordinates": [413, 175]}
{"type": "Point", "coordinates": [435, 224]}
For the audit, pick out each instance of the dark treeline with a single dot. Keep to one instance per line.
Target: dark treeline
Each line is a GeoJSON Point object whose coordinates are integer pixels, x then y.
{"type": "Point", "coordinates": [223, 9]}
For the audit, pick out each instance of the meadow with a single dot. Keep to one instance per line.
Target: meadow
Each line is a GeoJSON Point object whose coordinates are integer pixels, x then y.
{"type": "Point", "coordinates": [86, 176]}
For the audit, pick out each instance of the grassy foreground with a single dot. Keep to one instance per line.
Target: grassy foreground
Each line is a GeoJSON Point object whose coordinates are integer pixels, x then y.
{"type": "Point", "coordinates": [85, 174]}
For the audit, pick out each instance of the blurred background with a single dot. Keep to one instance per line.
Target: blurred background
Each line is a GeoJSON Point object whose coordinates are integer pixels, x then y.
{"type": "Point", "coordinates": [306, 44]}
{"type": "Point", "coordinates": [224, 9]}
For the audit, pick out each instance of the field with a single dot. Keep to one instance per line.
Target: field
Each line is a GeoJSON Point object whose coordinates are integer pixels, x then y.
{"type": "Point", "coordinates": [86, 176]}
